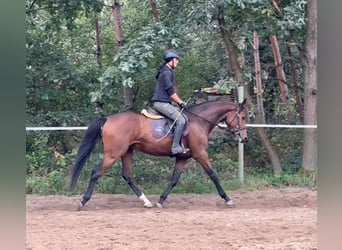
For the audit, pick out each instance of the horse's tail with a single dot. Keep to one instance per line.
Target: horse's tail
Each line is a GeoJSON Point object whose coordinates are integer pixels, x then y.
{"type": "Point", "coordinates": [88, 144]}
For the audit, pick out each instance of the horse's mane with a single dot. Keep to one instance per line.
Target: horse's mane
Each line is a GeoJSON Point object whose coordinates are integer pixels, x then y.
{"type": "Point", "coordinates": [203, 105]}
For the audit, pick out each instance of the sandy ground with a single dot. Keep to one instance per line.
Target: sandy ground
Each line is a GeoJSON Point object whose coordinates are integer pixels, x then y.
{"type": "Point", "coordinates": [263, 219]}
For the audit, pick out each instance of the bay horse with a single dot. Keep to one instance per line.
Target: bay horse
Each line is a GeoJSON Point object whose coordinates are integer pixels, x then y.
{"type": "Point", "coordinates": [124, 132]}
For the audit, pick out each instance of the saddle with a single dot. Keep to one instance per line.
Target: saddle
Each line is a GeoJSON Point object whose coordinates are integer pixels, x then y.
{"type": "Point", "coordinates": [161, 125]}
{"type": "Point", "coordinates": [152, 113]}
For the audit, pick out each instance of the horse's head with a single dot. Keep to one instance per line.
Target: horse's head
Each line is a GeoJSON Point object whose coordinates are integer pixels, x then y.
{"type": "Point", "coordinates": [236, 122]}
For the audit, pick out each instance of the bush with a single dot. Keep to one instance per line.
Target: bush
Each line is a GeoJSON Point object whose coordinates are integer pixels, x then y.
{"type": "Point", "coordinates": [47, 170]}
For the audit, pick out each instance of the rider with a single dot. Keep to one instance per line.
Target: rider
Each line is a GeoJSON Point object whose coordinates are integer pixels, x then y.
{"type": "Point", "coordinates": [165, 93]}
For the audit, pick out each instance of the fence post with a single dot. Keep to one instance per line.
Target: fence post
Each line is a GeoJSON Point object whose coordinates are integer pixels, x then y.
{"type": "Point", "coordinates": [241, 149]}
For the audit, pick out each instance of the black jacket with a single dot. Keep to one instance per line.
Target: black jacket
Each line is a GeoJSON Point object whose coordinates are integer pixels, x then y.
{"type": "Point", "coordinates": [164, 85]}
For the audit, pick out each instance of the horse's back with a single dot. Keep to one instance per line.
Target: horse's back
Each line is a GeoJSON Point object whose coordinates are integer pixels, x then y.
{"type": "Point", "coordinates": [128, 124]}
{"type": "Point", "coordinates": [124, 115]}
{"type": "Point", "coordinates": [124, 122]}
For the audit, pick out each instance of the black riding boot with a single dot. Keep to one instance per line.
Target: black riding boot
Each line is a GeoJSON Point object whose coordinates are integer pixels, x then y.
{"type": "Point", "coordinates": [177, 148]}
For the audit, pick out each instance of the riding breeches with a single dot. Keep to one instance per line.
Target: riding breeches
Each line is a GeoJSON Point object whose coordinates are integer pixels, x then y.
{"type": "Point", "coordinates": [170, 111]}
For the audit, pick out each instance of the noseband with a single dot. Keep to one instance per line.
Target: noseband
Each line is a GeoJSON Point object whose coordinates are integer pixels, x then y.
{"type": "Point", "coordinates": [236, 117]}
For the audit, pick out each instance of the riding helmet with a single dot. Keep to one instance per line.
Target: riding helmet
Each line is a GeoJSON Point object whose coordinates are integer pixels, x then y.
{"type": "Point", "coordinates": [170, 54]}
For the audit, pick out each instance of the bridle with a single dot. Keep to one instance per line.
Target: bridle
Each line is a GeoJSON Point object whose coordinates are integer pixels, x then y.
{"type": "Point", "coordinates": [237, 131]}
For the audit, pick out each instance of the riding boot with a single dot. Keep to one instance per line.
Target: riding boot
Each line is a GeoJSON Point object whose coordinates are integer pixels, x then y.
{"type": "Point", "coordinates": [177, 148]}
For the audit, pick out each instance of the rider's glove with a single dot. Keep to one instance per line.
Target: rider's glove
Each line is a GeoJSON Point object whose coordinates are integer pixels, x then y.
{"type": "Point", "coordinates": [182, 105]}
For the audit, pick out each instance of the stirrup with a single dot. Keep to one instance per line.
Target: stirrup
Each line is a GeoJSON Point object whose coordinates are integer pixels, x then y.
{"type": "Point", "coordinates": [179, 150]}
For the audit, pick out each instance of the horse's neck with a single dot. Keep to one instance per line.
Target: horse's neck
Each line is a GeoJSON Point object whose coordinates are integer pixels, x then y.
{"type": "Point", "coordinates": [218, 111]}
{"type": "Point", "coordinates": [214, 112]}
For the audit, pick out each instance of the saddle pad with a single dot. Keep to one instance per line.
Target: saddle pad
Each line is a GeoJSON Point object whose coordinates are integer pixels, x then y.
{"type": "Point", "coordinates": [160, 127]}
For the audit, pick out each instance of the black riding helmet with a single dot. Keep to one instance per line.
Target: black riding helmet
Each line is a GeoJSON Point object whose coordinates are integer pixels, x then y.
{"type": "Point", "coordinates": [170, 54]}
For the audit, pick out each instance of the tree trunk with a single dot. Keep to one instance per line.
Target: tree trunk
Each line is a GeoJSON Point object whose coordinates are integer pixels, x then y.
{"type": "Point", "coordinates": [236, 72]}
{"type": "Point", "coordinates": [229, 48]}
{"type": "Point", "coordinates": [98, 43]}
{"type": "Point", "coordinates": [266, 142]}
{"type": "Point", "coordinates": [257, 69]}
{"type": "Point", "coordinates": [155, 11]}
{"type": "Point", "coordinates": [279, 68]}
{"type": "Point", "coordinates": [310, 89]}
{"type": "Point", "coordinates": [120, 41]}
{"type": "Point", "coordinates": [299, 104]}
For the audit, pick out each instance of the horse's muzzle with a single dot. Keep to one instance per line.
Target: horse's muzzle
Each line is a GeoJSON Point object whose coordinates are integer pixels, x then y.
{"type": "Point", "coordinates": [243, 140]}
{"type": "Point", "coordinates": [240, 137]}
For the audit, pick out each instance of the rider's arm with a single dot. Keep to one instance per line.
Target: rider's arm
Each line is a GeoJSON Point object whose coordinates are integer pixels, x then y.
{"type": "Point", "coordinates": [176, 98]}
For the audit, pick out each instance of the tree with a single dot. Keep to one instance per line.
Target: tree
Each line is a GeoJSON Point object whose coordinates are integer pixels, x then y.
{"type": "Point", "coordinates": [120, 41]}
{"type": "Point", "coordinates": [258, 89]}
{"type": "Point", "coordinates": [61, 67]}
{"type": "Point", "coordinates": [310, 91]}
{"type": "Point", "coordinates": [155, 10]}
{"type": "Point", "coordinates": [236, 71]}
{"type": "Point", "coordinates": [279, 69]}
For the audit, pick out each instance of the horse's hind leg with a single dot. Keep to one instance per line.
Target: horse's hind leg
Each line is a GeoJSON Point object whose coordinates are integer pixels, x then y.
{"type": "Point", "coordinates": [127, 170]}
{"type": "Point", "coordinates": [95, 175]}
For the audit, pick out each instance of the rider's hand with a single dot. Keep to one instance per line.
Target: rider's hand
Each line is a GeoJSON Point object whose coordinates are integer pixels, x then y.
{"type": "Point", "coordinates": [182, 105]}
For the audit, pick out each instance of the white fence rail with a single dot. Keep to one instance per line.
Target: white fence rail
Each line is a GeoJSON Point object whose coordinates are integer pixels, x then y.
{"type": "Point", "coordinates": [247, 125]}
{"type": "Point", "coordinates": [54, 128]}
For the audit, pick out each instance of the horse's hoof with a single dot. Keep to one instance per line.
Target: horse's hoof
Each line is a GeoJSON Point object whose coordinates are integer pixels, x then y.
{"type": "Point", "coordinates": [148, 205]}
{"type": "Point", "coordinates": [158, 205]}
{"type": "Point", "coordinates": [79, 206]}
{"type": "Point", "coordinates": [230, 203]}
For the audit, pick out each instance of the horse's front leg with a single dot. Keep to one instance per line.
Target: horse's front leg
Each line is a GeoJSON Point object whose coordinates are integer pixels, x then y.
{"type": "Point", "coordinates": [127, 169]}
{"type": "Point", "coordinates": [203, 159]}
{"type": "Point", "coordinates": [179, 167]}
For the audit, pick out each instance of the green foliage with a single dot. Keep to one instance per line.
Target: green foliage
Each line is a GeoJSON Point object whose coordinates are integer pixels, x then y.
{"type": "Point", "coordinates": [63, 11]}
{"type": "Point", "coordinates": [264, 181]}
{"type": "Point", "coordinates": [134, 56]}
{"type": "Point", "coordinates": [38, 156]}
{"type": "Point", "coordinates": [47, 170]}
{"type": "Point", "coordinates": [55, 83]}
{"type": "Point", "coordinates": [52, 184]}
{"type": "Point", "coordinates": [154, 179]}
{"type": "Point", "coordinates": [225, 85]}
{"type": "Point", "coordinates": [294, 17]}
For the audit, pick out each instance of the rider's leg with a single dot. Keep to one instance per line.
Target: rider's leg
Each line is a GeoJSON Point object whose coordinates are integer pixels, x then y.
{"type": "Point", "coordinates": [177, 146]}
{"type": "Point", "coordinates": [172, 112]}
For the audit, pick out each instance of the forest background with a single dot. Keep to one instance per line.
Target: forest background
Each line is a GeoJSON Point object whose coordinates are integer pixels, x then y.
{"type": "Point", "coordinates": [87, 59]}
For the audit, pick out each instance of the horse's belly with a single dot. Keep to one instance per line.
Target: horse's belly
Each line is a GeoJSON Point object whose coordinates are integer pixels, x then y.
{"type": "Point", "coordinates": [153, 149]}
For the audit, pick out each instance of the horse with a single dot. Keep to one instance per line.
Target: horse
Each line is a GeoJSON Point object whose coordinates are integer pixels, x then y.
{"type": "Point", "coordinates": [124, 132]}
